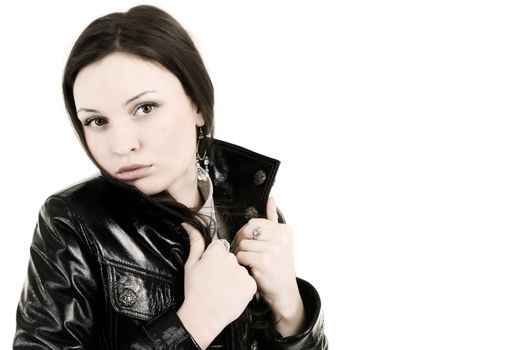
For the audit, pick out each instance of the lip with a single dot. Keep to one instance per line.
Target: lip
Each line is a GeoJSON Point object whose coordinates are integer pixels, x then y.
{"type": "Point", "coordinates": [134, 171]}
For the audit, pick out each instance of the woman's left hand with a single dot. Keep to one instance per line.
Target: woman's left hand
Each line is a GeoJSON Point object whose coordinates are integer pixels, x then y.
{"type": "Point", "coordinates": [270, 258]}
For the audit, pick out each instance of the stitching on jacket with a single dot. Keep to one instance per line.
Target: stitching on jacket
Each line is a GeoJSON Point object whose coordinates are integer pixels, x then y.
{"type": "Point", "coordinates": [163, 277]}
{"type": "Point", "coordinates": [90, 242]}
{"type": "Point", "coordinates": [113, 289]}
{"type": "Point", "coordinates": [116, 304]}
{"type": "Point", "coordinates": [91, 246]}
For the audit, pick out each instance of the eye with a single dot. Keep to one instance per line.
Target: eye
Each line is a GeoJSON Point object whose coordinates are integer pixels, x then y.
{"type": "Point", "coordinates": [98, 122]}
{"type": "Point", "coordinates": [147, 108]}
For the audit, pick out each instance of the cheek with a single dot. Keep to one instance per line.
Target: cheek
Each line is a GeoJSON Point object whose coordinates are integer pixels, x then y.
{"type": "Point", "coordinates": [179, 146]}
{"type": "Point", "coordinates": [178, 138]}
{"type": "Point", "coordinates": [95, 147]}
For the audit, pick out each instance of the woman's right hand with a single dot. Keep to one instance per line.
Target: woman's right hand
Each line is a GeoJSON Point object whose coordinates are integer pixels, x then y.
{"type": "Point", "coordinates": [217, 288]}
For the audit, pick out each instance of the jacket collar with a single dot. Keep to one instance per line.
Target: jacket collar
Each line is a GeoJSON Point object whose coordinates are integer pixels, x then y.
{"type": "Point", "coordinates": [242, 180]}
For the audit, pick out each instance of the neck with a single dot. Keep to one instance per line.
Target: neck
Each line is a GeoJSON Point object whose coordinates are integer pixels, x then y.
{"type": "Point", "coordinates": [186, 192]}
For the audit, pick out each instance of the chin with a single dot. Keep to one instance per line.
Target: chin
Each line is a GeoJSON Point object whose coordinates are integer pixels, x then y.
{"type": "Point", "coordinates": [147, 187]}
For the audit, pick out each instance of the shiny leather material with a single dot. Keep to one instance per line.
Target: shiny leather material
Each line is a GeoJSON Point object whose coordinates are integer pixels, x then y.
{"type": "Point", "coordinates": [107, 262]}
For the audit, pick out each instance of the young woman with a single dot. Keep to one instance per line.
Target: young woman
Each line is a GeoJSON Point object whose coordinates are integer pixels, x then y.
{"type": "Point", "coordinates": [175, 245]}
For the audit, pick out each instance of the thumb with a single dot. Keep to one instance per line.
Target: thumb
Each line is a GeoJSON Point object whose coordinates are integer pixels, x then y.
{"type": "Point", "coordinates": [272, 213]}
{"type": "Point", "coordinates": [197, 244]}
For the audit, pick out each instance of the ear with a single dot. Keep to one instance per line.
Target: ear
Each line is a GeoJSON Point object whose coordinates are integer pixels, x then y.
{"type": "Point", "coordinates": [198, 117]}
{"type": "Point", "coordinates": [198, 120]}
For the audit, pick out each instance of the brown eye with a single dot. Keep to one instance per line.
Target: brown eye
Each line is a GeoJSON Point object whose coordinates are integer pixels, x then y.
{"type": "Point", "coordinates": [147, 108]}
{"type": "Point", "coordinates": [98, 122]}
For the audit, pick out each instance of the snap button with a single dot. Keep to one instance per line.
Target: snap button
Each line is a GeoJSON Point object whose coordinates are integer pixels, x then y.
{"type": "Point", "coordinates": [127, 297]}
{"type": "Point", "coordinates": [251, 213]}
{"type": "Point", "coordinates": [219, 176]}
{"type": "Point", "coordinates": [259, 177]}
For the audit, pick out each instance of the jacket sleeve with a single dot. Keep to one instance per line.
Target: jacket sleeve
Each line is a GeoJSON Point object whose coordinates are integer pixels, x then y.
{"type": "Point", "coordinates": [58, 308]}
{"type": "Point", "coordinates": [312, 337]}
{"type": "Point", "coordinates": [165, 332]}
{"type": "Point", "coordinates": [55, 310]}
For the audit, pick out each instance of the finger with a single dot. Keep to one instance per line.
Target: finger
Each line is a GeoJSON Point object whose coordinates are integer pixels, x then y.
{"type": "Point", "coordinates": [248, 259]}
{"type": "Point", "coordinates": [219, 245]}
{"type": "Point", "coordinates": [249, 245]}
{"type": "Point", "coordinates": [245, 232]}
{"type": "Point", "coordinates": [197, 243]}
{"type": "Point", "coordinates": [272, 212]}
{"type": "Point", "coordinates": [267, 234]}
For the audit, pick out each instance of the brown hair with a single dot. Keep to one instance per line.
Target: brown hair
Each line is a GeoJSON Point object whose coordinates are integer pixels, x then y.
{"type": "Point", "coordinates": [152, 34]}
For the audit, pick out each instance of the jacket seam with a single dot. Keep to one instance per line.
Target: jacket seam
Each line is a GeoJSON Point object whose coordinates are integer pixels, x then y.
{"type": "Point", "coordinates": [90, 242]}
{"type": "Point", "coordinates": [93, 249]}
{"type": "Point", "coordinates": [142, 315]}
{"type": "Point", "coordinates": [165, 278]}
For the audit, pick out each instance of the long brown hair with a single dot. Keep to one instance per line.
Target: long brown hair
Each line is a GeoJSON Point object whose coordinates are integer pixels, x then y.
{"type": "Point", "coordinates": [153, 35]}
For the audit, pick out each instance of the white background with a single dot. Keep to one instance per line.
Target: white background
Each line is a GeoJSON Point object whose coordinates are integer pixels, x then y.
{"type": "Point", "coordinates": [399, 128]}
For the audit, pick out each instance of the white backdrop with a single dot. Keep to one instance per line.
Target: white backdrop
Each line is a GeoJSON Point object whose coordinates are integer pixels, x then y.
{"type": "Point", "coordinates": [398, 124]}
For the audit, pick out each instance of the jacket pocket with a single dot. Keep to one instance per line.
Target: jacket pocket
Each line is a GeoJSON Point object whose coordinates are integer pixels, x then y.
{"type": "Point", "coordinates": [139, 293]}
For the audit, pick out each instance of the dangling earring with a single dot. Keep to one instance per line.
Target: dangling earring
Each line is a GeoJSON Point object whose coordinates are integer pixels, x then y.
{"type": "Point", "coordinates": [201, 173]}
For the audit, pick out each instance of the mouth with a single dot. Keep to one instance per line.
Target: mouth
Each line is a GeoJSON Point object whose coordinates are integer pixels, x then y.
{"type": "Point", "coordinates": [134, 172]}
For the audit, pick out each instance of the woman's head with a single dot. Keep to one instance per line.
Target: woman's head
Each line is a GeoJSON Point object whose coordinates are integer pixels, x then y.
{"type": "Point", "coordinates": [141, 52]}
{"type": "Point", "coordinates": [135, 112]}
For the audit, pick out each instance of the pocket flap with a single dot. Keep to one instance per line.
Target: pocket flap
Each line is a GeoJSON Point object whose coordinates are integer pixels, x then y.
{"type": "Point", "coordinates": [138, 293]}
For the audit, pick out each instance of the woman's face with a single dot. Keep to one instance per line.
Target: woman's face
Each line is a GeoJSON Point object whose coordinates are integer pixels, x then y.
{"type": "Point", "coordinates": [136, 112]}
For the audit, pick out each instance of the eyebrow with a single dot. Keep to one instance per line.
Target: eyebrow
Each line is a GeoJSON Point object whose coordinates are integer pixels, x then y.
{"type": "Point", "coordinates": [125, 104]}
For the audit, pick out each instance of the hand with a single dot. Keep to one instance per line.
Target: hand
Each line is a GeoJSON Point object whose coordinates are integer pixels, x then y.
{"type": "Point", "coordinates": [270, 258]}
{"type": "Point", "coordinates": [217, 288]}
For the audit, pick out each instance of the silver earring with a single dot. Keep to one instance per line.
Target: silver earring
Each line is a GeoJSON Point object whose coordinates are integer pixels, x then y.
{"type": "Point", "coordinates": [201, 173]}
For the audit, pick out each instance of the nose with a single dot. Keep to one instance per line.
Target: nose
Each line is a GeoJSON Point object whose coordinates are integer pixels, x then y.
{"type": "Point", "coordinates": [125, 140]}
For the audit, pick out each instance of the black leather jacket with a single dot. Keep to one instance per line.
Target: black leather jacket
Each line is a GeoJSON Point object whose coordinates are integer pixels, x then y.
{"type": "Point", "coordinates": [107, 262]}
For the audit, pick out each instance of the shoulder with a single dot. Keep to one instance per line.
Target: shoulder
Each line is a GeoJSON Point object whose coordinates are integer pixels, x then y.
{"type": "Point", "coordinates": [61, 220]}
{"type": "Point", "coordinates": [94, 190]}
{"type": "Point", "coordinates": [92, 185]}
{"type": "Point", "coordinates": [82, 201]}
{"type": "Point", "coordinates": [73, 193]}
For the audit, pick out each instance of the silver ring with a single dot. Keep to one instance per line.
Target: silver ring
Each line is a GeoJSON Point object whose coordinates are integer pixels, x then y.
{"type": "Point", "coordinates": [256, 233]}
{"type": "Point", "coordinates": [226, 244]}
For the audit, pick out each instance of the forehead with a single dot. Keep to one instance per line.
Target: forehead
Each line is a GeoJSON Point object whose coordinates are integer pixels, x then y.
{"type": "Point", "coordinates": [119, 76]}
